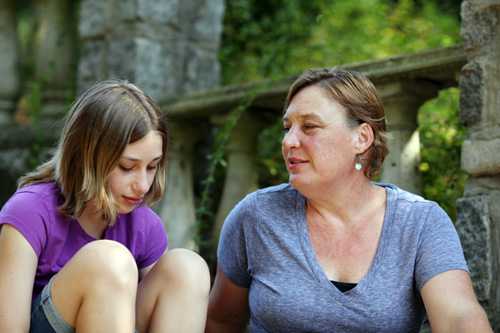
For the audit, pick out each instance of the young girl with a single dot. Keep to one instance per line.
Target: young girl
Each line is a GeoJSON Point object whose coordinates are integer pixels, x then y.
{"type": "Point", "coordinates": [80, 249]}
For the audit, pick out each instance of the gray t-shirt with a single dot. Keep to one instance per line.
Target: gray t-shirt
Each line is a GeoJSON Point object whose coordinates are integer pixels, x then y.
{"type": "Point", "coordinates": [265, 246]}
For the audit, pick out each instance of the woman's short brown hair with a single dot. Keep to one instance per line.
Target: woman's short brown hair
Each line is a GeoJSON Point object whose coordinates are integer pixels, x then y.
{"type": "Point", "coordinates": [99, 126]}
{"type": "Point", "coordinates": [357, 94]}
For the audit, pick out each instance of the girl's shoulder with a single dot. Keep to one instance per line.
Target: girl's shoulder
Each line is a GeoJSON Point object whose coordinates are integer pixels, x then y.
{"type": "Point", "coordinates": [40, 195]}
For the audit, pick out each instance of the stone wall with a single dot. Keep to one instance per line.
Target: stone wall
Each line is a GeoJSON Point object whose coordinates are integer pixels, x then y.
{"type": "Point", "coordinates": [478, 220]}
{"type": "Point", "coordinates": [167, 47]}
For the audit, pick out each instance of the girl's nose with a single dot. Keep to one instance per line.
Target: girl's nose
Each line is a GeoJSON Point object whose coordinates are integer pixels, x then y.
{"type": "Point", "coordinates": [141, 184]}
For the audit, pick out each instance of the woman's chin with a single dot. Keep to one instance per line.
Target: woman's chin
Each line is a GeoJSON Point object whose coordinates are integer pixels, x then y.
{"type": "Point", "coordinates": [297, 182]}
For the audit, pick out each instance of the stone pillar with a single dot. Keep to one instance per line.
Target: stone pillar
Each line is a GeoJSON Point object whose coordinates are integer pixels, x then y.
{"type": "Point", "coordinates": [401, 102]}
{"type": "Point", "coordinates": [9, 58]}
{"type": "Point", "coordinates": [177, 208]}
{"type": "Point", "coordinates": [478, 218]}
{"type": "Point", "coordinates": [168, 48]}
{"type": "Point", "coordinates": [55, 56]}
{"type": "Point", "coordinates": [241, 171]}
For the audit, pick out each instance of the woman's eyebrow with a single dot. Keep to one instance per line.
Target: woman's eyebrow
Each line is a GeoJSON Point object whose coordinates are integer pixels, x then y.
{"type": "Point", "coordinates": [307, 116]}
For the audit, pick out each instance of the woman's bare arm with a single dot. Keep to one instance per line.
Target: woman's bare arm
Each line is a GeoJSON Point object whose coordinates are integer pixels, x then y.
{"type": "Point", "coordinates": [228, 306]}
{"type": "Point", "coordinates": [452, 306]}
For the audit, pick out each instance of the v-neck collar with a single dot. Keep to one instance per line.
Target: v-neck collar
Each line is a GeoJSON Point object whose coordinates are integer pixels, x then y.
{"type": "Point", "coordinates": [310, 255]}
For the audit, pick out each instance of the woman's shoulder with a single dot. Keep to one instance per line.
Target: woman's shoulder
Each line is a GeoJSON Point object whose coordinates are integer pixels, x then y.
{"type": "Point", "coordinates": [407, 198]}
{"type": "Point", "coordinates": [413, 207]}
{"type": "Point", "coordinates": [281, 192]}
{"type": "Point", "coordinates": [273, 201]}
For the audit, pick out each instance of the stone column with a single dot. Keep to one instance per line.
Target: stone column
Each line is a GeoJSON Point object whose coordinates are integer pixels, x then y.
{"type": "Point", "coordinates": [478, 218]}
{"type": "Point", "coordinates": [9, 66]}
{"type": "Point", "coordinates": [168, 48]}
{"type": "Point", "coordinates": [401, 102]}
{"type": "Point", "coordinates": [241, 171]}
{"type": "Point", "coordinates": [55, 56]}
{"type": "Point", "coordinates": [177, 208]}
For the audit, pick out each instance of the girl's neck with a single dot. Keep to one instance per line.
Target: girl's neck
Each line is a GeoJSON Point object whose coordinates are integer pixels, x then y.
{"type": "Point", "coordinates": [92, 221]}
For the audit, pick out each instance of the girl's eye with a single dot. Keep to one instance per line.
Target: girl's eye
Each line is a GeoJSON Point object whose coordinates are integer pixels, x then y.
{"type": "Point", "coordinates": [285, 129]}
{"type": "Point", "coordinates": [152, 167]}
{"type": "Point", "coordinates": [124, 168]}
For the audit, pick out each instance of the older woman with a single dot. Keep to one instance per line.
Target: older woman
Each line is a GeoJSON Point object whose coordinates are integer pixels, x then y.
{"type": "Point", "coordinates": [331, 251]}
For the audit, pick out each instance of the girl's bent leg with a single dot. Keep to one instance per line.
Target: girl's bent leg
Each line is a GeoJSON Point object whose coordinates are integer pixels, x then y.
{"type": "Point", "coordinates": [173, 297]}
{"type": "Point", "coordinates": [95, 291]}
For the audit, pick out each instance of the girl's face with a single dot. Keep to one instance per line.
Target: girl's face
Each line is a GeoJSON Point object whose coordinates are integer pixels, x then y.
{"type": "Point", "coordinates": [132, 178]}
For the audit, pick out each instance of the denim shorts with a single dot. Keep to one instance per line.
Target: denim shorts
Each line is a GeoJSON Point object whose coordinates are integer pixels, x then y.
{"type": "Point", "coordinates": [44, 316]}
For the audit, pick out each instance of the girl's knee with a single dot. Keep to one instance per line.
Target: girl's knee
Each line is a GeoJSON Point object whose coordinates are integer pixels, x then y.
{"type": "Point", "coordinates": [106, 260]}
{"type": "Point", "coordinates": [182, 266]}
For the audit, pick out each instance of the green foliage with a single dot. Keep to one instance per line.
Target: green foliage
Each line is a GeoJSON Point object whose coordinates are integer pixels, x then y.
{"type": "Point", "coordinates": [441, 137]}
{"type": "Point", "coordinates": [282, 37]}
{"type": "Point", "coordinates": [259, 37]}
{"type": "Point", "coordinates": [271, 169]}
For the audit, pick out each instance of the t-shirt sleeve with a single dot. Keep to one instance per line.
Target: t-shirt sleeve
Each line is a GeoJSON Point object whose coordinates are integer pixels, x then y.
{"type": "Point", "coordinates": [232, 251]}
{"type": "Point", "coordinates": [156, 241]}
{"type": "Point", "coordinates": [26, 212]}
{"type": "Point", "coordinates": [439, 249]}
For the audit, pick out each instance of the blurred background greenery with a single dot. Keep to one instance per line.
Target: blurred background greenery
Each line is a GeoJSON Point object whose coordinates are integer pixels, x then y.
{"type": "Point", "coordinates": [279, 38]}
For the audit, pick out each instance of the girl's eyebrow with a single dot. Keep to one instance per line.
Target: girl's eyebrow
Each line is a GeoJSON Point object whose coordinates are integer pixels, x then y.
{"type": "Point", "coordinates": [138, 159]}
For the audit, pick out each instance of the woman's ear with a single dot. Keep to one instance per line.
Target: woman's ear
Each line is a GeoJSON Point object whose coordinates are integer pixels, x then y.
{"type": "Point", "coordinates": [363, 137]}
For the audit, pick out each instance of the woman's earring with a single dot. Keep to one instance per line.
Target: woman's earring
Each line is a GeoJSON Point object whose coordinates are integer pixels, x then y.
{"type": "Point", "coordinates": [357, 165]}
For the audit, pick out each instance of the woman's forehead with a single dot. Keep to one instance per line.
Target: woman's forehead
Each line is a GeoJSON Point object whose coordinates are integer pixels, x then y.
{"type": "Point", "coordinates": [313, 103]}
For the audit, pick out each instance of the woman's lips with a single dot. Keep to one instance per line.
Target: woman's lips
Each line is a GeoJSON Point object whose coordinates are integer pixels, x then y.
{"type": "Point", "coordinates": [293, 163]}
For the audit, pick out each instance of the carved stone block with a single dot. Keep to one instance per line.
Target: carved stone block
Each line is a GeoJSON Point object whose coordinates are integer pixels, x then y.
{"type": "Point", "coordinates": [471, 93]}
{"type": "Point", "coordinates": [481, 157]}
{"type": "Point", "coordinates": [473, 226]}
{"type": "Point", "coordinates": [479, 26]}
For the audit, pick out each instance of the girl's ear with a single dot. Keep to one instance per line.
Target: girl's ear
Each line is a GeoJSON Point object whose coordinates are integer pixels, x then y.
{"type": "Point", "coordinates": [363, 138]}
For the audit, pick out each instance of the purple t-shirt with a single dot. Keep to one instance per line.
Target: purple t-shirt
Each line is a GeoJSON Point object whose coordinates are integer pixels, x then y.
{"type": "Point", "coordinates": [32, 210]}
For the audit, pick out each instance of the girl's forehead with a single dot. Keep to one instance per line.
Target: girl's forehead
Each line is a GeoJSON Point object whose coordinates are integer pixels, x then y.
{"type": "Point", "coordinates": [149, 145]}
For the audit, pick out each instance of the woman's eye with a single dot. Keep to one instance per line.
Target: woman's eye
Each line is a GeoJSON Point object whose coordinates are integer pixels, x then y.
{"type": "Point", "coordinates": [309, 126]}
{"type": "Point", "coordinates": [285, 129]}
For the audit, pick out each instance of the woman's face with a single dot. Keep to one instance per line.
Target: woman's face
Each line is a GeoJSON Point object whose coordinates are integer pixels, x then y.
{"type": "Point", "coordinates": [318, 145]}
{"type": "Point", "coordinates": [132, 178]}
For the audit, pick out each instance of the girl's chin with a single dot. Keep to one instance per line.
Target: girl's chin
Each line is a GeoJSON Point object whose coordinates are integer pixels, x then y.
{"type": "Point", "coordinates": [125, 209]}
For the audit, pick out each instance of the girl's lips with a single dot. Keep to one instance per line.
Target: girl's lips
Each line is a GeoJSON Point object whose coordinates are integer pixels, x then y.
{"type": "Point", "coordinates": [132, 200]}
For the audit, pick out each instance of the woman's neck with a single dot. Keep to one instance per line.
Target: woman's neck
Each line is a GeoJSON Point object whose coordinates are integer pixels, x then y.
{"type": "Point", "coordinates": [347, 203]}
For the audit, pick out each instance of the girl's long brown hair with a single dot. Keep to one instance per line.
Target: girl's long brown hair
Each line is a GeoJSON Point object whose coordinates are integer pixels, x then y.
{"type": "Point", "coordinates": [98, 127]}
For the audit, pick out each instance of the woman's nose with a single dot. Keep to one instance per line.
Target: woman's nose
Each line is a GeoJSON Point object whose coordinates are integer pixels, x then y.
{"type": "Point", "coordinates": [291, 139]}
